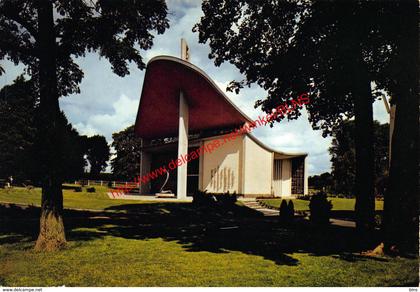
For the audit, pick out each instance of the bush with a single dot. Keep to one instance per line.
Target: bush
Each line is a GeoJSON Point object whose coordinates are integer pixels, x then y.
{"type": "Point", "coordinates": [203, 198]}
{"type": "Point", "coordinates": [320, 208]}
{"type": "Point", "coordinates": [287, 212]}
{"type": "Point", "coordinates": [78, 189]}
{"type": "Point", "coordinates": [283, 210]}
{"type": "Point", "coordinates": [226, 198]}
{"type": "Point", "coordinates": [91, 190]}
{"type": "Point", "coordinates": [291, 210]}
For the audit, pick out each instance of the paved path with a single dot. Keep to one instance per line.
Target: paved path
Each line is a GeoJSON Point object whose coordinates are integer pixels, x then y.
{"type": "Point", "coordinates": [343, 223]}
{"type": "Point", "coordinates": [123, 196]}
{"type": "Point", "coordinates": [253, 204]}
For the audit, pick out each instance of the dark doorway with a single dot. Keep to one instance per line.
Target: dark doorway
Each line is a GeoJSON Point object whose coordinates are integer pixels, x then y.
{"type": "Point", "coordinates": [193, 170]}
{"type": "Point", "coordinates": [163, 159]}
{"type": "Point", "coordinates": [298, 174]}
{"type": "Point", "coordinates": [159, 160]}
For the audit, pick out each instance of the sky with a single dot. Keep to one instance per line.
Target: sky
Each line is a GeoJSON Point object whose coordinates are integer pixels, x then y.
{"type": "Point", "coordinates": [108, 103]}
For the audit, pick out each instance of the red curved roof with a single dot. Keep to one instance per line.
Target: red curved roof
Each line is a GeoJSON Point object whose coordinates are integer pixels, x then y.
{"type": "Point", "coordinates": [209, 108]}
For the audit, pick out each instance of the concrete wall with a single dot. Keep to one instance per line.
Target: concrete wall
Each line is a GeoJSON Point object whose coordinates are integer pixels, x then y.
{"type": "Point", "coordinates": [240, 166]}
{"type": "Point", "coordinates": [146, 161]}
{"type": "Point", "coordinates": [258, 169]}
{"type": "Point", "coordinates": [286, 174]}
{"type": "Point", "coordinates": [220, 170]}
{"type": "Point", "coordinates": [277, 178]}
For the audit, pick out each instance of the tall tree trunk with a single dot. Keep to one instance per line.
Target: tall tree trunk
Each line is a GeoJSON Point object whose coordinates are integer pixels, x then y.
{"type": "Point", "coordinates": [51, 234]}
{"type": "Point", "coordinates": [365, 200]}
{"type": "Point", "coordinates": [401, 225]}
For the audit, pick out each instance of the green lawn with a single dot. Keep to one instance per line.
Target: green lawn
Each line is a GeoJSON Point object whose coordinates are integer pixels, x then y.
{"type": "Point", "coordinates": [339, 204]}
{"type": "Point", "coordinates": [116, 261]}
{"type": "Point", "coordinates": [180, 244]}
{"type": "Point", "coordinates": [81, 200]}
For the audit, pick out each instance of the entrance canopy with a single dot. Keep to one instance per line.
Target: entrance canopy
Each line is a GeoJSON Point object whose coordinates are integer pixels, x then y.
{"type": "Point", "coordinates": [158, 113]}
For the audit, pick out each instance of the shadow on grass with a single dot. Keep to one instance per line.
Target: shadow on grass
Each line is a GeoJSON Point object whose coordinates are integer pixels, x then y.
{"type": "Point", "coordinates": [350, 257]}
{"type": "Point", "coordinates": [214, 229]}
{"type": "Point", "coordinates": [348, 214]}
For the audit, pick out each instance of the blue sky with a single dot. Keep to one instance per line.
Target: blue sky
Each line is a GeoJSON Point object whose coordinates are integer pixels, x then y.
{"type": "Point", "coordinates": [108, 103]}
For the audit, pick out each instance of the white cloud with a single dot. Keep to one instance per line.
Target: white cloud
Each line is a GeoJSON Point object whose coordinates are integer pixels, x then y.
{"type": "Point", "coordinates": [12, 72]}
{"type": "Point", "coordinates": [123, 115]}
{"type": "Point", "coordinates": [379, 112]}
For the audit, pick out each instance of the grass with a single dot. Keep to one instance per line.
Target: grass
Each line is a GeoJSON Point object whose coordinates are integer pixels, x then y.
{"type": "Point", "coordinates": [79, 200]}
{"type": "Point", "coordinates": [180, 244]}
{"type": "Point", "coordinates": [339, 204]}
{"type": "Point", "coordinates": [114, 261]}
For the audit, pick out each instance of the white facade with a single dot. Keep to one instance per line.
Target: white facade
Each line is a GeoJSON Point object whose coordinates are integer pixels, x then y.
{"type": "Point", "coordinates": [192, 111]}
{"type": "Point", "coordinates": [243, 166]}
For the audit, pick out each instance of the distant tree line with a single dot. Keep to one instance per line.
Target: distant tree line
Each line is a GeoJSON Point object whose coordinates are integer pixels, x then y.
{"type": "Point", "coordinates": [19, 139]}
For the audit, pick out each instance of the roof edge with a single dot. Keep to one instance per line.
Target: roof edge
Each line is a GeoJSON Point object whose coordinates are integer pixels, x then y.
{"type": "Point", "coordinates": [204, 75]}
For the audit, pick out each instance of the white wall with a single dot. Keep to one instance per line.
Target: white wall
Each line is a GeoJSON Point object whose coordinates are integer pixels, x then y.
{"type": "Point", "coordinates": [277, 178]}
{"type": "Point", "coordinates": [286, 173]}
{"type": "Point", "coordinates": [258, 169]}
{"type": "Point", "coordinates": [221, 168]}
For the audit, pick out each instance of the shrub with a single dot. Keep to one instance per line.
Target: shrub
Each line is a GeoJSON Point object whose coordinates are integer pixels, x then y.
{"type": "Point", "coordinates": [320, 208]}
{"type": "Point", "coordinates": [287, 212]}
{"type": "Point", "coordinates": [203, 198]}
{"type": "Point", "coordinates": [78, 189]}
{"type": "Point", "coordinates": [91, 190]}
{"type": "Point", "coordinates": [226, 198]}
{"type": "Point", "coordinates": [284, 212]}
{"type": "Point", "coordinates": [291, 210]}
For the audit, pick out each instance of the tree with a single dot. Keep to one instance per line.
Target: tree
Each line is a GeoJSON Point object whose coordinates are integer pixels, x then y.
{"type": "Point", "coordinates": [97, 153]}
{"type": "Point", "coordinates": [321, 182]}
{"type": "Point", "coordinates": [45, 35]}
{"type": "Point", "coordinates": [331, 49]}
{"type": "Point", "coordinates": [401, 205]}
{"type": "Point", "coordinates": [72, 159]}
{"type": "Point", "coordinates": [126, 162]}
{"type": "Point", "coordinates": [343, 157]}
{"type": "Point", "coordinates": [18, 132]}
{"type": "Point", "coordinates": [17, 129]}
